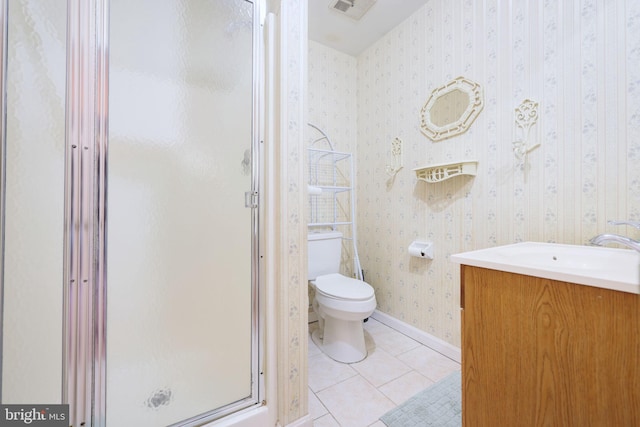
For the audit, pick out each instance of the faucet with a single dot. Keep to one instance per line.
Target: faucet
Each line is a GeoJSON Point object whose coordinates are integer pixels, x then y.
{"type": "Point", "coordinates": [631, 223]}
{"type": "Point", "coordinates": [601, 239]}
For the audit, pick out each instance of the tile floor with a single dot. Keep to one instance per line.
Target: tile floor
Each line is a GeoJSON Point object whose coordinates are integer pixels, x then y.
{"type": "Point", "coordinates": [358, 394]}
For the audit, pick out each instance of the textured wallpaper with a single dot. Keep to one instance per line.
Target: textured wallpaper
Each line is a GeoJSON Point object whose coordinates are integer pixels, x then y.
{"type": "Point", "coordinates": [332, 88]}
{"type": "Point", "coordinates": [291, 228]}
{"type": "Point", "coordinates": [580, 60]}
{"type": "Point", "coordinates": [333, 83]}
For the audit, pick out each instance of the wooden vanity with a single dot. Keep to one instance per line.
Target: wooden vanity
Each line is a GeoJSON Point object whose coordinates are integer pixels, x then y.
{"type": "Point", "coordinates": [543, 352]}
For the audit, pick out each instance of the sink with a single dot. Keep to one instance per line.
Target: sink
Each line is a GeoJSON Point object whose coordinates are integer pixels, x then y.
{"type": "Point", "coordinates": [608, 268]}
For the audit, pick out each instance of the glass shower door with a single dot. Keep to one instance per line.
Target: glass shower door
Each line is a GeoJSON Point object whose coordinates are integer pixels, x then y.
{"type": "Point", "coordinates": [180, 240]}
{"type": "Point", "coordinates": [33, 171]}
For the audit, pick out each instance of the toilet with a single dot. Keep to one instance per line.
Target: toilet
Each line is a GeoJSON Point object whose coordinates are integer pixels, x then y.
{"type": "Point", "coordinates": [341, 303]}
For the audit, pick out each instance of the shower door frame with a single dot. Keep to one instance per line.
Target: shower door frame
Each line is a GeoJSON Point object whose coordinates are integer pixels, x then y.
{"type": "Point", "coordinates": [85, 281]}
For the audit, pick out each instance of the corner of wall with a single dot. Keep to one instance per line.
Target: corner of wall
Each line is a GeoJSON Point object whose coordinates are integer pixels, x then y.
{"type": "Point", "coordinates": [290, 252]}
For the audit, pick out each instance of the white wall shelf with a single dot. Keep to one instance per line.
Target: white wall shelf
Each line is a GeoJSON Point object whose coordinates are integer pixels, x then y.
{"type": "Point", "coordinates": [440, 172]}
{"type": "Point", "coordinates": [330, 177]}
{"type": "Point", "coordinates": [337, 189]}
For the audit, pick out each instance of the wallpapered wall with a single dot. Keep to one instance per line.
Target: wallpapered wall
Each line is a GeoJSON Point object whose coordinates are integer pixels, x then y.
{"type": "Point", "coordinates": [331, 96]}
{"type": "Point", "coordinates": [291, 259]}
{"type": "Point", "coordinates": [579, 59]}
{"type": "Point", "coordinates": [331, 90]}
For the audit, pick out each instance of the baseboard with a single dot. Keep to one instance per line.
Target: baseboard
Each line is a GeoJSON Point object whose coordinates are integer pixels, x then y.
{"type": "Point", "coordinates": [435, 343]}
{"type": "Point", "coordinates": [305, 421]}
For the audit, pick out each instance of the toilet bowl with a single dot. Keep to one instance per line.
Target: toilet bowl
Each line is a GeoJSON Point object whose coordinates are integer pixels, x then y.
{"type": "Point", "coordinates": [341, 305]}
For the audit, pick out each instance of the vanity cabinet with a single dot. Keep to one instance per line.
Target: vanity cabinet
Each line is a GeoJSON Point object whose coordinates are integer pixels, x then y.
{"type": "Point", "coordinates": [541, 352]}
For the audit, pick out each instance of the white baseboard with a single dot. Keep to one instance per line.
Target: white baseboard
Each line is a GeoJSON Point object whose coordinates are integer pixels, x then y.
{"type": "Point", "coordinates": [435, 343]}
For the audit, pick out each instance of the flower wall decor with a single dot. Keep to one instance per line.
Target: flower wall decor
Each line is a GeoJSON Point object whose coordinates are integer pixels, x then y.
{"type": "Point", "coordinates": [396, 153]}
{"type": "Point", "coordinates": [526, 116]}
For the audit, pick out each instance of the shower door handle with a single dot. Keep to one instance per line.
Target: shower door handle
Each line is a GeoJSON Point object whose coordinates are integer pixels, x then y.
{"type": "Point", "coordinates": [251, 199]}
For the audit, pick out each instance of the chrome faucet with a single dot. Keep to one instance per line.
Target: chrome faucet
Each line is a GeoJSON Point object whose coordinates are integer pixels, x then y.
{"type": "Point", "coordinates": [601, 239]}
{"type": "Point", "coordinates": [631, 223]}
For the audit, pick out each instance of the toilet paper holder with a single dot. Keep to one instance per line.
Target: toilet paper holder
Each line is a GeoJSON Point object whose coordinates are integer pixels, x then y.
{"type": "Point", "coordinates": [421, 249]}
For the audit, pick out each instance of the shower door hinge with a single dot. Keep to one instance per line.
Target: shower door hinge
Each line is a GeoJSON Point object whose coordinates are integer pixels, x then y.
{"type": "Point", "coordinates": [250, 199]}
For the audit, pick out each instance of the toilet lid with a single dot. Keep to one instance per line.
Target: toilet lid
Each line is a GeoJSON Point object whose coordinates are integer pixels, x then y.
{"type": "Point", "coordinates": [339, 286]}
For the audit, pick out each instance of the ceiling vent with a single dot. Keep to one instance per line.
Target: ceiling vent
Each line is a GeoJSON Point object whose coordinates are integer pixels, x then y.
{"type": "Point", "coordinates": [354, 9]}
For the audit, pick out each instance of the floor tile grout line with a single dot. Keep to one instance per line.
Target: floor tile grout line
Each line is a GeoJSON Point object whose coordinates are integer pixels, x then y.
{"type": "Point", "coordinates": [321, 403]}
{"type": "Point", "coordinates": [383, 330]}
{"type": "Point", "coordinates": [357, 374]}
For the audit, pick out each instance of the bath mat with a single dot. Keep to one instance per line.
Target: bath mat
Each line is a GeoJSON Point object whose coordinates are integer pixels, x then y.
{"type": "Point", "coordinates": [439, 405]}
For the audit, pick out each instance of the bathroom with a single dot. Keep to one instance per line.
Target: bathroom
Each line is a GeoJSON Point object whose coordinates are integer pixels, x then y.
{"type": "Point", "coordinates": [560, 55]}
{"type": "Point", "coordinates": [579, 60]}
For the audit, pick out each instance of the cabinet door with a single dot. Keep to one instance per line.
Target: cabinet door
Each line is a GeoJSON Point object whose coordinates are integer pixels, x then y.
{"type": "Point", "coordinates": [538, 352]}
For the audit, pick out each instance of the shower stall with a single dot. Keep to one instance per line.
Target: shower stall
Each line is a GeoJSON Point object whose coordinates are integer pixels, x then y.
{"type": "Point", "coordinates": [130, 278]}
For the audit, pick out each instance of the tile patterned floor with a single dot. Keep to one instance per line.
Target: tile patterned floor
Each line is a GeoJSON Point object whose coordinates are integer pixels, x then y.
{"type": "Point", "coordinates": [358, 394]}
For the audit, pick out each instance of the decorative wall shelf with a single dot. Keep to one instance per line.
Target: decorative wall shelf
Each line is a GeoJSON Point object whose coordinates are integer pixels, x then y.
{"type": "Point", "coordinates": [442, 171]}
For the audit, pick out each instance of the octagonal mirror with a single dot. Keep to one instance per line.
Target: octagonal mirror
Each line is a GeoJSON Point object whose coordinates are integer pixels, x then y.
{"type": "Point", "coordinates": [451, 109]}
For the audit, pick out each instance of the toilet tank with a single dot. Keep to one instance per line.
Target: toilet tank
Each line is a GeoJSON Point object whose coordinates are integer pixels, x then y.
{"type": "Point", "coordinates": [324, 251]}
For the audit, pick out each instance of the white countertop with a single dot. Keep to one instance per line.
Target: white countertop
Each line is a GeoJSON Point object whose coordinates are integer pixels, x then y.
{"type": "Point", "coordinates": [607, 268]}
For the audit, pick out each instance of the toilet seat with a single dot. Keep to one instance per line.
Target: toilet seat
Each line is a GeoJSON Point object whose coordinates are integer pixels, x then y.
{"type": "Point", "coordinates": [341, 287]}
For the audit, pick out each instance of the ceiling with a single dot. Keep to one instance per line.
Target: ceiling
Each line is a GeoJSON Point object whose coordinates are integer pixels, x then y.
{"type": "Point", "coordinates": [333, 29]}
